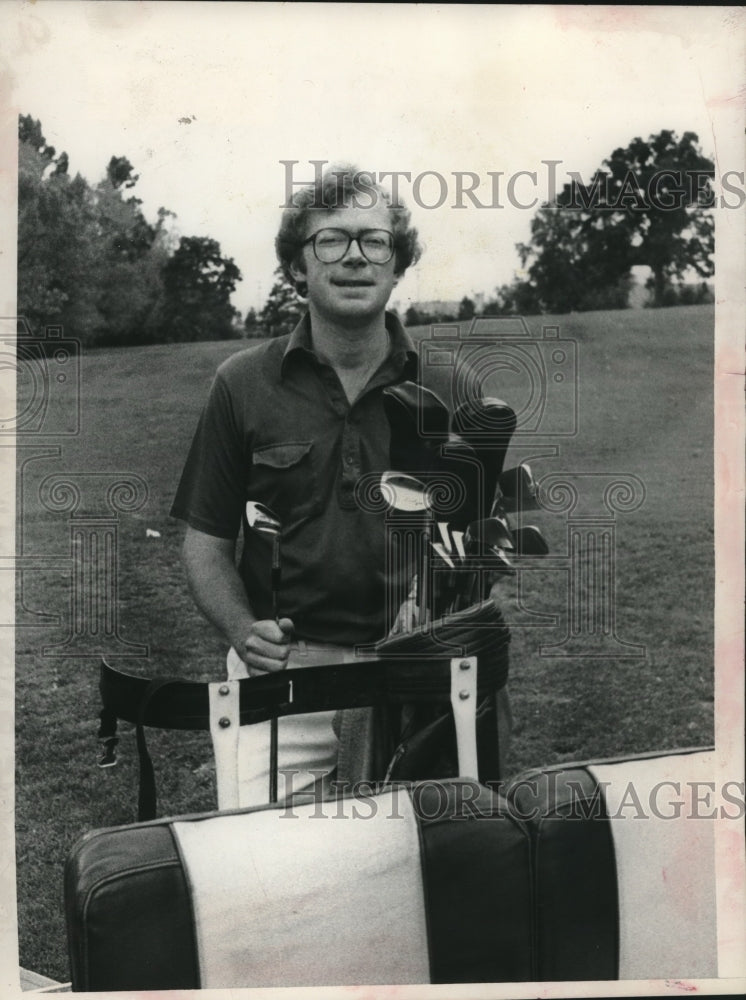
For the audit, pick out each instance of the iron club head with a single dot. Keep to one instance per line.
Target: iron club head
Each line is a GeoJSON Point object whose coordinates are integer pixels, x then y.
{"type": "Point", "coordinates": [529, 541]}
{"type": "Point", "coordinates": [262, 519]}
{"type": "Point", "coordinates": [491, 531]}
{"type": "Point", "coordinates": [404, 492]}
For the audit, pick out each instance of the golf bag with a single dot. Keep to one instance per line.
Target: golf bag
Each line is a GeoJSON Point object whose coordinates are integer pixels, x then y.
{"type": "Point", "coordinates": [623, 866]}
{"type": "Point", "coordinates": [433, 882]}
{"type": "Point", "coordinates": [433, 693]}
{"type": "Point", "coordinates": [418, 884]}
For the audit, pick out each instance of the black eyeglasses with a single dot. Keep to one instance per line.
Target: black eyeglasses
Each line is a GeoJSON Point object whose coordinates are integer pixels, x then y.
{"type": "Point", "coordinates": [331, 245]}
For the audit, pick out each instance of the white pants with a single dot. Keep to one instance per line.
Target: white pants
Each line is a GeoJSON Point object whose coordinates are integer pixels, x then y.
{"type": "Point", "coordinates": [307, 744]}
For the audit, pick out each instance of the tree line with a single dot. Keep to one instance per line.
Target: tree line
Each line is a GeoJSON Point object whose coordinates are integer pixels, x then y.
{"type": "Point", "coordinates": [89, 260]}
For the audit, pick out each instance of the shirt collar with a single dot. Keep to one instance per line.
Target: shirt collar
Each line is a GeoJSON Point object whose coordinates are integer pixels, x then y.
{"type": "Point", "coordinates": [403, 354]}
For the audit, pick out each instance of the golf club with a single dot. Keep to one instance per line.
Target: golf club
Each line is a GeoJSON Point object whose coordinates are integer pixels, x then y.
{"type": "Point", "coordinates": [529, 541]}
{"type": "Point", "coordinates": [457, 461]}
{"type": "Point", "coordinates": [440, 549]}
{"type": "Point", "coordinates": [445, 536]}
{"type": "Point", "coordinates": [502, 567]}
{"type": "Point", "coordinates": [516, 490]}
{"type": "Point", "coordinates": [443, 595]}
{"type": "Point", "coordinates": [489, 537]}
{"type": "Point", "coordinates": [262, 520]}
{"type": "Point", "coordinates": [418, 419]}
{"type": "Point", "coordinates": [458, 541]}
{"type": "Point", "coordinates": [487, 424]}
{"type": "Point", "coordinates": [491, 531]}
{"type": "Point", "coordinates": [405, 493]}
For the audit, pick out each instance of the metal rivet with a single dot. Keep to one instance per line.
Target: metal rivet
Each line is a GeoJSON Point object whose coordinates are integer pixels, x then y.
{"type": "Point", "coordinates": [224, 722]}
{"type": "Point", "coordinates": [464, 665]}
{"type": "Point", "coordinates": [463, 695]}
{"type": "Point", "coordinates": [224, 689]}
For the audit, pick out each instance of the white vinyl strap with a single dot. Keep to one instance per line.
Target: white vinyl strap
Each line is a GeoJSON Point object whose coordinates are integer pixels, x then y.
{"type": "Point", "coordinates": [464, 705]}
{"type": "Point", "coordinates": [224, 729]}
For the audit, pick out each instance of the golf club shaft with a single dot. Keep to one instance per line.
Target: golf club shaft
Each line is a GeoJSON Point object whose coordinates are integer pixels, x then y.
{"type": "Point", "coordinates": [263, 521]}
{"type": "Point", "coordinates": [424, 572]}
{"type": "Point", "coordinates": [273, 725]}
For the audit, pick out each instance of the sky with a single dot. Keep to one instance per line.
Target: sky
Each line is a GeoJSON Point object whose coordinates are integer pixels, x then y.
{"type": "Point", "coordinates": [208, 99]}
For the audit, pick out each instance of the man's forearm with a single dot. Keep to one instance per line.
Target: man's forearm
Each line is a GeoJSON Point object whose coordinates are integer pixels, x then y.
{"type": "Point", "coordinates": [216, 586]}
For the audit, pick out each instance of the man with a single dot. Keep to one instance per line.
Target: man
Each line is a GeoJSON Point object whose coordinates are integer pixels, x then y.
{"type": "Point", "coordinates": [293, 424]}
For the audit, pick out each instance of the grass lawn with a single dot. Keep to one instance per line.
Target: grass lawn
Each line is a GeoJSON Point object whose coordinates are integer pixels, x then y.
{"type": "Point", "coordinates": [645, 409]}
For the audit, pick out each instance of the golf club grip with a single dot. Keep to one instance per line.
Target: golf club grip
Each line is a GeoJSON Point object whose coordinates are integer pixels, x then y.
{"type": "Point", "coordinates": [273, 758]}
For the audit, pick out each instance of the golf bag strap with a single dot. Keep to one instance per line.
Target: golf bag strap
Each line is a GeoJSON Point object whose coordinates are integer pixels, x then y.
{"type": "Point", "coordinates": [464, 705]}
{"type": "Point", "coordinates": [221, 708]}
{"type": "Point", "coordinates": [360, 684]}
{"type": "Point", "coordinates": [225, 731]}
{"type": "Point", "coordinates": [146, 801]}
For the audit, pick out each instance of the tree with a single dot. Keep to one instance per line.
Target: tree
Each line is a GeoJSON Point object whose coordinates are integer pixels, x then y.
{"type": "Point", "coordinates": [251, 324]}
{"type": "Point", "coordinates": [198, 283]}
{"type": "Point", "coordinates": [466, 308]}
{"type": "Point", "coordinates": [412, 317]}
{"type": "Point", "coordinates": [120, 172]}
{"type": "Point", "coordinates": [283, 308]}
{"type": "Point", "coordinates": [89, 259]}
{"type": "Point", "coordinates": [31, 135]}
{"type": "Point", "coordinates": [59, 248]}
{"type": "Point", "coordinates": [650, 205]}
{"type": "Point", "coordinates": [674, 231]}
{"type": "Point", "coordinates": [133, 255]}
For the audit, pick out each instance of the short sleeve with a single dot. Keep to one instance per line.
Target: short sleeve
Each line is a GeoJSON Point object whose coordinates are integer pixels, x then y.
{"type": "Point", "coordinates": [212, 490]}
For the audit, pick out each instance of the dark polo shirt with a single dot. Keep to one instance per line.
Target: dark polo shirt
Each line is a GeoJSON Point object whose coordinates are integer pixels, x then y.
{"type": "Point", "coordinates": [277, 428]}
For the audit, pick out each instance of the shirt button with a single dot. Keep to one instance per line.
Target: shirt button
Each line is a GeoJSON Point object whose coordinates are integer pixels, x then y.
{"type": "Point", "coordinates": [348, 460]}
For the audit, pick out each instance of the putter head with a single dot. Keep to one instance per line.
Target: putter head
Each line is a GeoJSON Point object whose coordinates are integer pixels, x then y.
{"type": "Point", "coordinates": [515, 490]}
{"type": "Point", "coordinates": [262, 519]}
{"type": "Point", "coordinates": [529, 541]}
{"type": "Point", "coordinates": [418, 419]}
{"type": "Point", "coordinates": [488, 533]}
{"type": "Point", "coordinates": [404, 493]}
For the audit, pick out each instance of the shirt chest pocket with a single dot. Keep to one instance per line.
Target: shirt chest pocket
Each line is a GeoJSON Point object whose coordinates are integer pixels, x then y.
{"type": "Point", "coordinates": [284, 476]}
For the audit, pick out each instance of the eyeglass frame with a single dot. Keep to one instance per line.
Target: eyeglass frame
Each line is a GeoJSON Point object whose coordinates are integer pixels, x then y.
{"type": "Point", "coordinates": [350, 239]}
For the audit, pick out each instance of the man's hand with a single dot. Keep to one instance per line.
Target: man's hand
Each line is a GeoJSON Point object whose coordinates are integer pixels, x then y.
{"type": "Point", "coordinates": [266, 647]}
{"type": "Point", "coordinates": [219, 593]}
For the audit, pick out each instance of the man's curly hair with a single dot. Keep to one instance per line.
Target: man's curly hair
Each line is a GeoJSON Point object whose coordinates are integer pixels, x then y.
{"type": "Point", "coordinates": [338, 187]}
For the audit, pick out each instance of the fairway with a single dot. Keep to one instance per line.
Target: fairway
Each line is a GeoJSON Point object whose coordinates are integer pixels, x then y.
{"type": "Point", "coordinates": [645, 411]}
